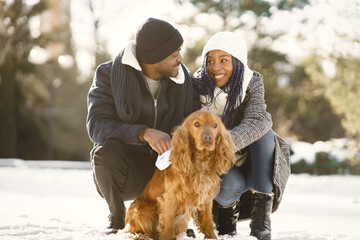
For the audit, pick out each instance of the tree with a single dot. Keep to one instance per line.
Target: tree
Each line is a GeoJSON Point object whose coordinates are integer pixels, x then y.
{"type": "Point", "coordinates": [342, 89]}
{"type": "Point", "coordinates": [42, 106]}
{"type": "Point", "coordinates": [312, 116]}
{"type": "Point", "coordinates": [66, 109]}
{"type": "Point", "coordinates": [16, 43]}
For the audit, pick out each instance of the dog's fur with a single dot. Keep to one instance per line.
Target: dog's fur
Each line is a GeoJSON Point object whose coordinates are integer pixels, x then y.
{"type": "Point", "coordinates": [202, 151]}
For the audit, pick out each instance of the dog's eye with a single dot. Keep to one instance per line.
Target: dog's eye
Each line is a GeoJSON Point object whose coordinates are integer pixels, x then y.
{"type": "Point", "coordinates": [197, 124]}
{"type": "Point", "coordinates": [215, 125]}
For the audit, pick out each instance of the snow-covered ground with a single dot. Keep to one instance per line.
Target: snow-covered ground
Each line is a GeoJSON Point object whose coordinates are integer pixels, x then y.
{"type": "Point", "coordinates": [57, 200]}
{"type": "Point", "coordinates": [338, 148]}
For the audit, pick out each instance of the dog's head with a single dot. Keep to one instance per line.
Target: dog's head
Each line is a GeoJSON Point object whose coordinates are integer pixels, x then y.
{"type": "Point", "coordinates": [204, 129]}
{"type": "Point", "coordinates": [202, 132]}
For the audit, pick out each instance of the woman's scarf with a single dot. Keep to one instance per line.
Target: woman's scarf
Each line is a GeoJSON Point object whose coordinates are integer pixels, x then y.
{"type": "Point", "coordinates": [206, 86]}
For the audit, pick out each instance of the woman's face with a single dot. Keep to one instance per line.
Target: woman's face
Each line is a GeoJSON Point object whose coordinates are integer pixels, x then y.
{"type": "Point", "coordinates": [219, 66]}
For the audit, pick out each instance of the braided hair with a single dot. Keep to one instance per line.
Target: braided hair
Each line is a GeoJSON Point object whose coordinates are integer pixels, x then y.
{"type": "Point", "coordinates": [206, 86]}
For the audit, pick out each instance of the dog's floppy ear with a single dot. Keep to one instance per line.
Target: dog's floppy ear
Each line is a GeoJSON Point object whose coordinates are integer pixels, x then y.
{"type": "Point", "coordinates": [181, 149]}
{"type": "Point", "coordinates": [225, 155]}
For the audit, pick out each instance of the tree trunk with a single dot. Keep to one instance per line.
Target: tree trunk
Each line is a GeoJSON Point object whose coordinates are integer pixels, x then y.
{"type": "Point", "coordinates": [8, 125]}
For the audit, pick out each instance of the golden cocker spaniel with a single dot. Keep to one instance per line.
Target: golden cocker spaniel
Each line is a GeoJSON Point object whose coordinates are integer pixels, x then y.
{"type": "Point", "coordinates": [202, 151]}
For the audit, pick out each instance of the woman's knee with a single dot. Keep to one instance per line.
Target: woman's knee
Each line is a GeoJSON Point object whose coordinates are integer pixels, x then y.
{"type": "Point", "coordinates": [232, 186]}
{"type": "Point", "coordinates": [268, 139]}
{"type": "Point", "coordinates": [262, 150]}
{"type": "Point", "coordinates": [262, 162]}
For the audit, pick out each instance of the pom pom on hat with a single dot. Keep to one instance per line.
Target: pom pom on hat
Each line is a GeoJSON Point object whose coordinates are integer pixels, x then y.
{"type": "Point", "coordinates": [155, 40]}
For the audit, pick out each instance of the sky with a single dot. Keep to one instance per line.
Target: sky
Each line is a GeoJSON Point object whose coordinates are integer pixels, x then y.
{"type": "Point", "coordinates": [326, 20]}
{"type": "Point", "coordinates": [120, 19]}
{"type": "Point", "coordinates": [320, 24]}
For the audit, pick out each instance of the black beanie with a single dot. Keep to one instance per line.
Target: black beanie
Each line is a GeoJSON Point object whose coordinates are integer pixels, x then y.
{"type": "Point", "coordinates": [156, 40]}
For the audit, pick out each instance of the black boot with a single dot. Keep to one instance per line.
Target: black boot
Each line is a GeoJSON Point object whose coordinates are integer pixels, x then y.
{"type": "Point", "coordinates": [225, 218]}
{"type": "Point", "coordinates": [260, 216]}
{"type": "Point", "coordinates": [115, 224]}
{"type": "Point", "coordinates": [215, 213]}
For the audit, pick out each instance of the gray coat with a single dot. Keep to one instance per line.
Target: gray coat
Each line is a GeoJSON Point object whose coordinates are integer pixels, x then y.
{"type": "Point", "coordinates": [255, 122]}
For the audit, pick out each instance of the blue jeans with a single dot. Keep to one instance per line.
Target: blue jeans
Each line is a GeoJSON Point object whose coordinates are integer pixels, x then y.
{"type": "Point", "coordinates": [256, 173]}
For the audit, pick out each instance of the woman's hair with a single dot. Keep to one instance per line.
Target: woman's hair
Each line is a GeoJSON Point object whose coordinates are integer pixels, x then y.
{"type": "Point", "coordinates": [206, 86]}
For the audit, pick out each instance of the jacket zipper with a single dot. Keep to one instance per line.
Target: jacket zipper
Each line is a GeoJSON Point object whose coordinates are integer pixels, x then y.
{"type": "Point", "coordinates": [155, 105]}
{"type": "Point", "coordinates": [154, 99]}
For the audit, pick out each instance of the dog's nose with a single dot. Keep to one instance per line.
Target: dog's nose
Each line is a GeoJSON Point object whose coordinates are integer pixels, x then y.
{"type": "Point", "coordinates": [208, 137]}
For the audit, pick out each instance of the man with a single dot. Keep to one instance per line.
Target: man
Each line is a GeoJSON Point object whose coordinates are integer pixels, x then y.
{"type": "Point", "coordinates": [133, 104]}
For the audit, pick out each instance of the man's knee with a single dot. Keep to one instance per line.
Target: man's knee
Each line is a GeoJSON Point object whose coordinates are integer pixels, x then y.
{"type": "Point", "coordinates": [110, 154]}
{"type": "Point", "coordinates": [110, 167]}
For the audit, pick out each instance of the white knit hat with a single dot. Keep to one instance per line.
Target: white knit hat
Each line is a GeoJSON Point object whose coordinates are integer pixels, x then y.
{"type": "Point", "coordinates": [234, 44]}
{"type": "Point", "coordinates": [230, 42]}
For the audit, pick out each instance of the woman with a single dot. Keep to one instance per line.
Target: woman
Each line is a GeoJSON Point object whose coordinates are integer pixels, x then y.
{"type": "Point", "coordinates": [254, 186]}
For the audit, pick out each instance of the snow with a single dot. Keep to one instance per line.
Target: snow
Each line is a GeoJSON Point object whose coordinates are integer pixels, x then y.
{"type": "Point", "coordinates": [303, 150]}
{"type": "Point", "coordinates": [57, 200]}
{"type": "Point", "coordinates": [338, 148]}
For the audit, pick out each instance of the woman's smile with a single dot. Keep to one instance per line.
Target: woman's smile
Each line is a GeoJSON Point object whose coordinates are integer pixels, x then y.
{"type": "Point", "coordinates": [219, 66]}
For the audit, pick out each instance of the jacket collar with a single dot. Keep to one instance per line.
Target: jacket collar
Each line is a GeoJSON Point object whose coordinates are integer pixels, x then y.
{"type": "Point", "coordinates": [130, 59]}
{"type": "Point", "coordinates": [248, 74]}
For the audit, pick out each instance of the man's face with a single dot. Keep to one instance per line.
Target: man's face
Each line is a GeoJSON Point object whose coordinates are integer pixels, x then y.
{"type": "Point", "coordinates": [169, 67]}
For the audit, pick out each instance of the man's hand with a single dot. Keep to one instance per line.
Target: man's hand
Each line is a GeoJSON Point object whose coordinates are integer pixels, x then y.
{"type": "Point", "coordinates": [158, 140]}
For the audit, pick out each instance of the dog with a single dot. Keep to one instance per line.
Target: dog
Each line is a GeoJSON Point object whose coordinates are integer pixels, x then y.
{"type": "Point", "coordinates": [202, 151]}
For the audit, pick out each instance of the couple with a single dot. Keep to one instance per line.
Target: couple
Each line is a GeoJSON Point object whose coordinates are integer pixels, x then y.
{"type": "Point", "coordinates": [138, 98]}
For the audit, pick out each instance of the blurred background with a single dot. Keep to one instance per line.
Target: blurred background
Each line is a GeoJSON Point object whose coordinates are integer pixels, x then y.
{"type": "Point", "coordinates": [307, 50]}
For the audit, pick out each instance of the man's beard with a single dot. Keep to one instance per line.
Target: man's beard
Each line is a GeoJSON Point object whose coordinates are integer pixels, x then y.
{"type": "Point", "coordinates": [170, 73]}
